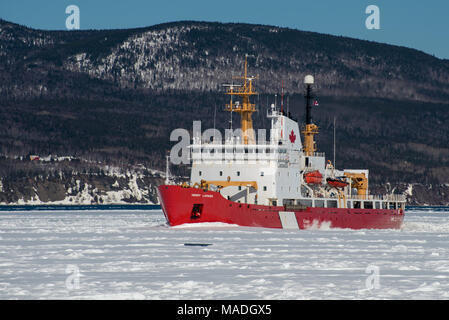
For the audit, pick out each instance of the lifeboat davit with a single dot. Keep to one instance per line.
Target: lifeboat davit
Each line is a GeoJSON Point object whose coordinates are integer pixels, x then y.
{"type": "Point", "coordinates": [313, 177]}
{"type": "Point", "coordinates": [337, 183]}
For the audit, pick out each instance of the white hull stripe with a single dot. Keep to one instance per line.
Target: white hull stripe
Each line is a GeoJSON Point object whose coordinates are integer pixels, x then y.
{"type": "Point", "coordinates": [288, 220]}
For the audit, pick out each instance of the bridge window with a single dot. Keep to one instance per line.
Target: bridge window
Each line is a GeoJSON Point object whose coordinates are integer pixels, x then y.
{"type": "Point", "coordinates": [332, 204]}
{"type": "Point", "coordinates": [238, 173]}
{"type": "Point", "coordinates": [199, 173]}
{"type": "Point", "coordinates": [368, 204]}
{"type": "Point", "coordinates": [319, 203]}
{"type": "Point", "coordinates": [264, 188]}
{"type": "Point", "coordinates": [306, 203]}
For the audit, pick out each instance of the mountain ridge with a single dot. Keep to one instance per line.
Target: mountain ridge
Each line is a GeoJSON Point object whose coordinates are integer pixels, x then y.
{"type": "Point", "coordinates": [151, 74]}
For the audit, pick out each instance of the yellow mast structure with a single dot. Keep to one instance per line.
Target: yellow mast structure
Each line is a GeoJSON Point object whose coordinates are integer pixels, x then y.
{"type": "Point", "coordinates": [245, 109]}
{"type": "Point", "coordinates": [309, 132]}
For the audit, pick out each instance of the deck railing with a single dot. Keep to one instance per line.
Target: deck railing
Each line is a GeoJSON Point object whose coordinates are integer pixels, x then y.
{"type": "Point", "coordinates": [384, 197]}
{"type": "Point", "coordinates": [219, 152]}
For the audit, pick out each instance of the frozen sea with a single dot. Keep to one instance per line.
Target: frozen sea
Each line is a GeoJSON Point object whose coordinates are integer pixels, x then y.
{"type": "Point", "coordinates": [133, 254]}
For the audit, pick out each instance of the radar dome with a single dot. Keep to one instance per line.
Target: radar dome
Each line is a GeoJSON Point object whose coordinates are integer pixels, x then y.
{"type": "Point", "coordinates": [308, 79]}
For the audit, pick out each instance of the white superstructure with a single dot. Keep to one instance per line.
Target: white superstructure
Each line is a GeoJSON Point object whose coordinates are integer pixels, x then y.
{"type": "Point", "coordinates": [277, 166]}
{"type": "Point", "coordinates": [248, 167]}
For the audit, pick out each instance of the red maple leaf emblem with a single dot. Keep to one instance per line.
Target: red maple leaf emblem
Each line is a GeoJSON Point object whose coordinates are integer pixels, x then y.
{"type": "Point", "coordinates": [292, 137]}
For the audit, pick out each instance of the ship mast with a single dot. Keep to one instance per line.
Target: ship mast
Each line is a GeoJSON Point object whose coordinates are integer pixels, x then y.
{"type": "Point", "coordinates": [310, 129]}
{"type": "Point", "coordinates": [246, 108]}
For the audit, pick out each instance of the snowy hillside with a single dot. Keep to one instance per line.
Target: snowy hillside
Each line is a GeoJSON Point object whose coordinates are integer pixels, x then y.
{"type": "Point", "coordinates": [107, 185]}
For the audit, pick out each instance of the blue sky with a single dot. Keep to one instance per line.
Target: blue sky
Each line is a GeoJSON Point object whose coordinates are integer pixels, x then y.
{"type": "Point", "coordinates": [423, 25]}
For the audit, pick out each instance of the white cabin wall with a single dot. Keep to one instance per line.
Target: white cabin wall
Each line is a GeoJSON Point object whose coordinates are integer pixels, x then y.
{"type": "Point", "coordinates": [248, 172]}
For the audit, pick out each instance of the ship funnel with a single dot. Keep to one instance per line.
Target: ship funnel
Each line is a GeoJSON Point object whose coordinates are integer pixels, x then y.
{"type": "Point", "coordinates": [310, 129]}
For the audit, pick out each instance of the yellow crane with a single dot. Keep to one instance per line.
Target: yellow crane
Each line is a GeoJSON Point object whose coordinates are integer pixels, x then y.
{"type": "Point", "coordinates": [227, 183]}
{"type": "Point", "coordinates": [358, 181]}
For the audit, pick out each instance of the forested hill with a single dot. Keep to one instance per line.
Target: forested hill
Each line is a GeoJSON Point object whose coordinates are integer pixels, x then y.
{"type": "Point", "coordinates": [201, 56]}
{"type": "Point", "coordinates": [113, 96]}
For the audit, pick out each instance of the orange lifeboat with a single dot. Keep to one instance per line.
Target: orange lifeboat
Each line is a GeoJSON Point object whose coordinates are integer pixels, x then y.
{"type": "Point", "coordinates": [337, 183]}
{"type": "Point", "coordinates": [313, 177]}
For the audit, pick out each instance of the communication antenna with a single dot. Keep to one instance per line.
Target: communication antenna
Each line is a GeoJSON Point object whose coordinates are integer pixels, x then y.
{"type": "Point", "coordinates": [282, 96]}
{"type": "Point", "coordinates": [230, 121]}
{"type": "Point", "coordinates": [215, 113]}
{"type": "Point", "coordinates": [167, 170]}
{"type": "Point", "coordinates": [263, 118]}
{"type": "Point", "coordinates": [231, 87]}
{"type": "Point", "coordinates": [334, 141]}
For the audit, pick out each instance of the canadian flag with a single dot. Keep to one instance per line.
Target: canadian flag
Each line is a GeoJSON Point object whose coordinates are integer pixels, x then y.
{"type": "Point", "coordinates": [315, 103]}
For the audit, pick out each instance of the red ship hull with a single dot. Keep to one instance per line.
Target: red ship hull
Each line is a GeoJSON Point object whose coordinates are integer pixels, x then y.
{"type": "Point", "coordinates": [192, 205]}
